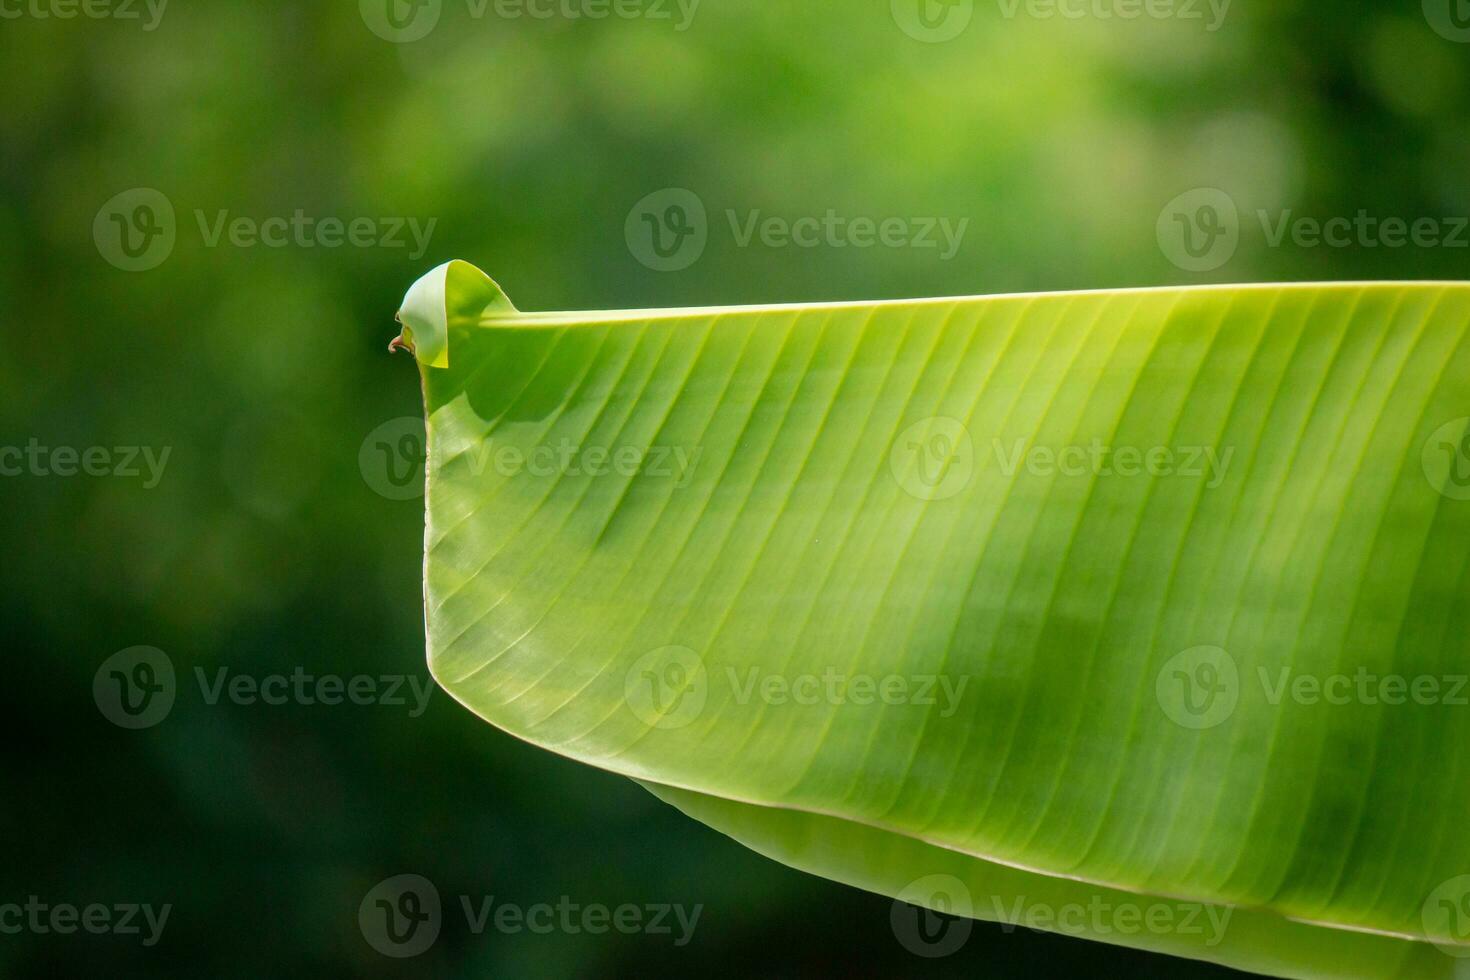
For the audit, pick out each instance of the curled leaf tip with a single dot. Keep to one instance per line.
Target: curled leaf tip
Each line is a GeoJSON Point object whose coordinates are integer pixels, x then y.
{"type": "Point", "coordinates": [449, 297]}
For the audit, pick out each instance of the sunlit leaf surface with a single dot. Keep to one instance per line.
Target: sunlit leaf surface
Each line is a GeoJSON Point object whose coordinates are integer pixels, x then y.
{"type": "Point", "coordinates": [1147, 596]}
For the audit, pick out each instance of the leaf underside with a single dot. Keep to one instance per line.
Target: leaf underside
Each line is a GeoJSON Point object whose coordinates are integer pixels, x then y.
{"type": "Point", "coordinates": [676, 544]}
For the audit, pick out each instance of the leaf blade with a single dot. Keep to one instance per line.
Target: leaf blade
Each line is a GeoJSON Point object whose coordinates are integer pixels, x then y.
{"type": "Point", "coordinates": [631, 509]}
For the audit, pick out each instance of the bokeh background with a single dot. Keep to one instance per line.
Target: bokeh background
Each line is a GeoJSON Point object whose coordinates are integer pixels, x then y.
{"type": "Point", "coordinates": [267, 546]}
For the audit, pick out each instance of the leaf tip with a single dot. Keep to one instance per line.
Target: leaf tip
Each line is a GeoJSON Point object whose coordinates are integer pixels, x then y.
{"type": "Point", "coordinates": [454, 294]}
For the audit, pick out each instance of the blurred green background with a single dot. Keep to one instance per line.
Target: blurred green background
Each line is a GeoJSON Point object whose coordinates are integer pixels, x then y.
{"type": "Point", "coordinates": [1064, 142]}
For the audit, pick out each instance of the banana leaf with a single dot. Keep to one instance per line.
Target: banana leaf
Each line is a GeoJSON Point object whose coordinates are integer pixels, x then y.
{"type": "Point", "coordinates": [1138, 615]}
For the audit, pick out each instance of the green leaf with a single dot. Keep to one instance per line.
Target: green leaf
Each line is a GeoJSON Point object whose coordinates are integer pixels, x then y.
{"type": "Point", "coordinates": [958, 884]}
{"type": "Point", "coordinates": [1158, 595]}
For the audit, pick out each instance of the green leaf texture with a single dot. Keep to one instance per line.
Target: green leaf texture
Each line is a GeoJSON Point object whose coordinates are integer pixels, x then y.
{"type": "Point", "coordinates": [1150, 597]}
